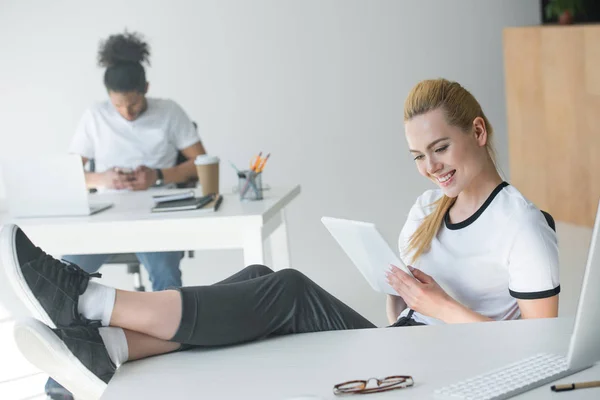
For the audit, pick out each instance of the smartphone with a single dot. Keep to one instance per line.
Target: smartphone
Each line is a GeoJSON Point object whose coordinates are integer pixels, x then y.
{"type": "Point", "coordinates": [127, 172]}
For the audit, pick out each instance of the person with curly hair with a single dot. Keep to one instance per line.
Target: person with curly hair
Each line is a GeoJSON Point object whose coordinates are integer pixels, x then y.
{"type": "Point", "coordinates": [134, 142]}
{"type": "Point", "coordinates": [134, 139]}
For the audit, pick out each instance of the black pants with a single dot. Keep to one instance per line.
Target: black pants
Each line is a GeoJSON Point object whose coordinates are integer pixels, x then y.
{"type": "Point", "coordinates": [256, 303]}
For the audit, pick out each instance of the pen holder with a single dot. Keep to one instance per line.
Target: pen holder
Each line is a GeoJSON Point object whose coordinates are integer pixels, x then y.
{"type": "Point", "coordinates": [250, 185]}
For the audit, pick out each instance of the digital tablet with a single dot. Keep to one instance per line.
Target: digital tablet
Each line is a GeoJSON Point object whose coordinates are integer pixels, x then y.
{"type": "Point", "coordinates": [367, 249]}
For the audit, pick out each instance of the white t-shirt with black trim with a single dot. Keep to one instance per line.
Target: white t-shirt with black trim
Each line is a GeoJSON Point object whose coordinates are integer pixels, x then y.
{"type": "Point", "coordinates": [153, 139]}
{"type": "Point", "coordinates": [504, 252]}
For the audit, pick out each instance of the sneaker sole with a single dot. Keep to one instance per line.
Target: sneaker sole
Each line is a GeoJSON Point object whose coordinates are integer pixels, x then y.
{"type": "Point", "coordinates": [42, 348]}
{"type": "Point", "coordinates": [10, 260]}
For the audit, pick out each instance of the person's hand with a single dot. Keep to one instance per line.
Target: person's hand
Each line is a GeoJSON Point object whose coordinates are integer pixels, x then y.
{"type": "Point", "coordinates": [144, 178]}
{"type": "Point", "coordinates": [114, 179]}
{"type": "Point", "coordinates": [421, 293]}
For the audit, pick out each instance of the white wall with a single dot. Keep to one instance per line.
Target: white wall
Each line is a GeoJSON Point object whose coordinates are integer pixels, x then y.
{"type": "Point", "coordinates": [318, 83]}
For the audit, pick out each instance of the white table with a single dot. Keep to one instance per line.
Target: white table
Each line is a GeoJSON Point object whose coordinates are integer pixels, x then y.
{"type": "Point", "coordinates": [129, 226]}
{"type": "Point", "coordinates": [312, 363]}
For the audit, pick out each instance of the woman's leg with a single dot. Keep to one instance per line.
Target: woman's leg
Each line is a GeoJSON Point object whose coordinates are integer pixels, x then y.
{"type": "Point", "coordinates": [141, 346]}
{"type": "Point", "coordinates": [154, 313]}
{"type": "Point", "coordinates": [159, 313]}
{"type": "Point", "coordinates": [279, 303]}
{"type": "Point", "coordinates": [273, 304]}
{"type": "Point", "coordinates": [250, 272]}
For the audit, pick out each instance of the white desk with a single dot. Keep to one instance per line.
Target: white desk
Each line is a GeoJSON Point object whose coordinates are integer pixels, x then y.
{"type": "Point", "coordinates": [312, 363]}
{"type": "Point", "coordinates": [129, 226]}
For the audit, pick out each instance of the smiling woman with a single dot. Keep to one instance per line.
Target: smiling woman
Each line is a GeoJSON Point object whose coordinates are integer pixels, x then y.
{"type": "Point", "coordinates": [483, 251]}
{"type": "Point", "coordinates": [446, 129]}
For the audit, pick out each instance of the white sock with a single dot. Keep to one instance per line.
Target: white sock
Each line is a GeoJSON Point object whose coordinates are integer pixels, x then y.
{"type": "Point", "coordinates": [97, 302]}
{"type": "Point", "coordinates": [116, 344]}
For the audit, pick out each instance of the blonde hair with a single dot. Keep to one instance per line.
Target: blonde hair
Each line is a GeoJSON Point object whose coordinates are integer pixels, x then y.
{"type": "Point", "coordinates": [460, 109]}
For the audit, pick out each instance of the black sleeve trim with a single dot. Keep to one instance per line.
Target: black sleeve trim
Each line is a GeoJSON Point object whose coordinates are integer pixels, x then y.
{"type": "Point", "coordinates": [535, 295]}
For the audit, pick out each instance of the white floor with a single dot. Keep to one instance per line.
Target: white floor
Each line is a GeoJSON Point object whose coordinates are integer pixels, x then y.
{"type": "Point", "coordinates": [20, 381]}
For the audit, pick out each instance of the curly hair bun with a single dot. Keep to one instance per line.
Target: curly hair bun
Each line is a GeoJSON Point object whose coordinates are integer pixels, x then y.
{"type": "Point", "coordinates": [123, 48]}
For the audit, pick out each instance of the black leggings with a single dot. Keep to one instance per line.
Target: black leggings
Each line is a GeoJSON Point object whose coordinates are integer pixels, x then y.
{"type": "Point", "coordinates": [256, 303]}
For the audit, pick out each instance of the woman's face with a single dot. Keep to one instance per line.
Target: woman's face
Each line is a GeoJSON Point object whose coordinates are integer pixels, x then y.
{"type": "Point", "coordinates": [129, 104]}
{"type": "Point", "coordinates": [447, 155]}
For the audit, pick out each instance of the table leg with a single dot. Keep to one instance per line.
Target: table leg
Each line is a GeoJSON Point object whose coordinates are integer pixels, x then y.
{"type": "Point", "coordinates": [254, 252]}
{"type": "Point", "coordinates": [280, 245]}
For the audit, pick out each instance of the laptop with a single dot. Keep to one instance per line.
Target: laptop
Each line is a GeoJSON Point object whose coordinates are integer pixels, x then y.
{"type": "Point", "coordinates": [367, 249]}
{"type": "Point", "coordinates": [51, 186]}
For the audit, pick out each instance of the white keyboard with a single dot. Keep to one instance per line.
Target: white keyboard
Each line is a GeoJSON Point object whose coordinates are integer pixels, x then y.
{"type": "Point", "coordinates": [508, 381]}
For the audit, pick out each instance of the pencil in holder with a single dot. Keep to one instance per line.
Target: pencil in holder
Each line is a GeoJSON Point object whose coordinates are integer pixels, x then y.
{"type": "Point", "coordinates": [250, 185]}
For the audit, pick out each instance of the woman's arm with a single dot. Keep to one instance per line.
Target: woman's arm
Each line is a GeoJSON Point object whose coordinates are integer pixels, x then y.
{"type": "Point", "coordinates": [423, 294]}
{"type": "Point", "coordinates": [454, 313]}
{"type": "Point", "coordinates": [394, 305]}
{"type": "Point", "coordinates": [530, 309]}
{"type": "Point", "coordinates": [539, 308]}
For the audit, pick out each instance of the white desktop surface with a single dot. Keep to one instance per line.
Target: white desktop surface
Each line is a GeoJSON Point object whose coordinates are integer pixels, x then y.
{"type": "Point", "coordinates": [130, 226]}
{"type": "Point", "coordinates": [279, 368]}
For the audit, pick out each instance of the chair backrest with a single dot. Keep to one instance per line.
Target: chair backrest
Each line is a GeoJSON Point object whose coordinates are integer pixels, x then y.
{"type": "Point", "coordinates": [550, 220]}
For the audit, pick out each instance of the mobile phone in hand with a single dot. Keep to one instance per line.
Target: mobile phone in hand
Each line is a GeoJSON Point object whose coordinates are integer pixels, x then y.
{"type": "Point", "coordinates": [128, 172]}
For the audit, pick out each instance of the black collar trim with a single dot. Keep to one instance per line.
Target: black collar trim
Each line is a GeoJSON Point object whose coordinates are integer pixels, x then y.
{"type": "Point", "coordinates": [474, 217]}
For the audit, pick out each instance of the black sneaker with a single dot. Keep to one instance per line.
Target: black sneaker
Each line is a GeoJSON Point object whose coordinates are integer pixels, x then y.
{"type": "Point", "coordinates": [49, 288]}
{"type": "Point", "coordinates": [75, 356]}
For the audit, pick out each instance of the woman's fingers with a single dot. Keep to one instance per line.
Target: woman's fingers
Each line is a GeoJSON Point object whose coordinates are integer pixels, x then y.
{"type": "Point", "coordinates": [389, 276]}
{"type": "Point", "coordinates": [397, 281]}
{"type": "Point", "coordinates": [421, 276]}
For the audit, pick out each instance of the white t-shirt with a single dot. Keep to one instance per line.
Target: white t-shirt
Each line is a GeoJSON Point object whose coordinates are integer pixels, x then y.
{"type": "Point", "coordinates": [504, 252]}
{"type": "Point", "coordinates": [153, 139]}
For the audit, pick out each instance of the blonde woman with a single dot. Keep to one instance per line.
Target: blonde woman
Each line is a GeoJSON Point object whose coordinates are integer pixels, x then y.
{"type": "Point", "coordinates": [481, 252]}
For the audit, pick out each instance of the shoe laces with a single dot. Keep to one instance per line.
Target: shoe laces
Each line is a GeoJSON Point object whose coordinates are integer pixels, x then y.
{"type": "Point", "coordinates": [46, 261]}
{"type": "Point", "coordinates": [76, 269]}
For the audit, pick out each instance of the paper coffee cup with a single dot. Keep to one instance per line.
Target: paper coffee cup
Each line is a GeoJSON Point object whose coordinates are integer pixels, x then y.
{"type": "Point", "coordinates": [207, 167]}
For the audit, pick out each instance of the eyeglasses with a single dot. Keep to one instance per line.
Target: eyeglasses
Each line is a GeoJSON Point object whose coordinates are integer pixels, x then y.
{"type": "Point", "coordinates": [385, 384]}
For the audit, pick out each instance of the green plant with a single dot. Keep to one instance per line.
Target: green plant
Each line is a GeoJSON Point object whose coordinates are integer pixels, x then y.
{"type": "Point", "coordinates": [555, 8]}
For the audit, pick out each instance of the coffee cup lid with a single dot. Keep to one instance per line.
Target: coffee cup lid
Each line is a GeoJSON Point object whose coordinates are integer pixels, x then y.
{"type": "Point", "coordinates": [206, 159]}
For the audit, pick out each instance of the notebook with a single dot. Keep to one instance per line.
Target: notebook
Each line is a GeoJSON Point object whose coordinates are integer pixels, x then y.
{"type": "Point", "coordinates": [162, 198]}
{"type": "Point", "coordinates": [193, 203]}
